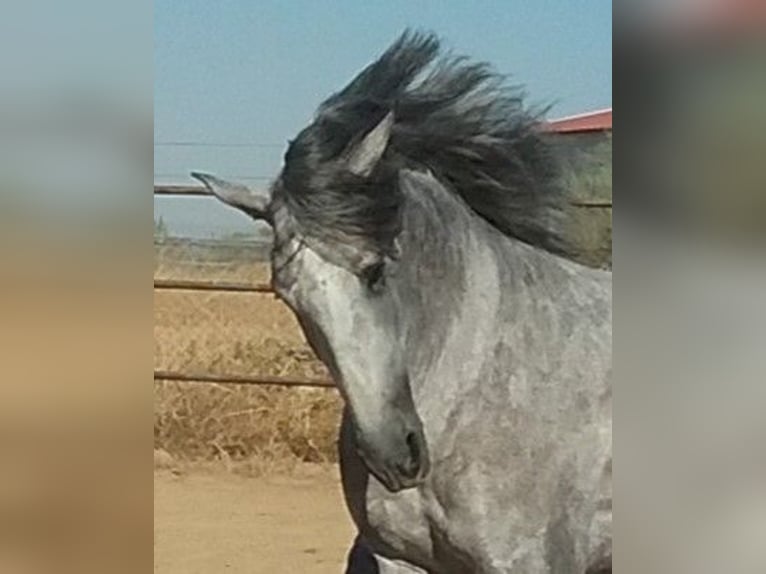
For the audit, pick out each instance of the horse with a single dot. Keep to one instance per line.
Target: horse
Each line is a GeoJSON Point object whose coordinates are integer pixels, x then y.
{"type": "Point", "coordinates": [420, 240]}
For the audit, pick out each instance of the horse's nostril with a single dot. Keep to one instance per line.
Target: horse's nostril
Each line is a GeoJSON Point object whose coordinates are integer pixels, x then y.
{"type": "Point", "coordinates": [411, 466]}
{"type": "Point", "coordinates": [414, 447]}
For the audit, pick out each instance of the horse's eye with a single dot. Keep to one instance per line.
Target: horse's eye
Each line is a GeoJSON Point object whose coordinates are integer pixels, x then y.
{"type": "Point", "coordinates": [374, 276]}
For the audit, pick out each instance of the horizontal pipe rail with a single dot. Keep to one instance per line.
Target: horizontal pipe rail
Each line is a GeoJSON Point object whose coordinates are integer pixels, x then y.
{"type": "Point", "coordinates": [177, 376]}
{"type": "Point", "coordinates": [186, 285]}
{"type": "Point", "coordinates": [181, 190]}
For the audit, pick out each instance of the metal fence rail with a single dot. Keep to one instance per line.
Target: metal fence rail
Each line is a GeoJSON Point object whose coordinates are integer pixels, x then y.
{"type": "Point", "coordinates": [194, 190]}
{"type": "Point", "coordinates": [223, 286]}
{"type": "Point", "coordinates": [180, 190]}
{"type": "Point", "coordinates": [181, 377]}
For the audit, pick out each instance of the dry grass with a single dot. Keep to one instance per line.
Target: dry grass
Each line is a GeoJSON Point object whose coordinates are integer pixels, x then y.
{"type": "Point", "coordinates": [250, 428]}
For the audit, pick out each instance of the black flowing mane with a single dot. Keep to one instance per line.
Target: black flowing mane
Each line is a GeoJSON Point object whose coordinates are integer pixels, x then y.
{"type": "Point", "coordinates": [454, 117]}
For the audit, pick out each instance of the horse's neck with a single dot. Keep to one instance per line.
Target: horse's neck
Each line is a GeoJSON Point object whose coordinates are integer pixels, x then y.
{"type": "Point", "coordinates": [456, 283]}
{"type": "Point", "coordinates": [466, 290]}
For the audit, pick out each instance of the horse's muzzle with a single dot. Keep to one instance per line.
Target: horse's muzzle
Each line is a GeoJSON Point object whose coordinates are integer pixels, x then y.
{"type": "Point", "coordinates": [397, 456]}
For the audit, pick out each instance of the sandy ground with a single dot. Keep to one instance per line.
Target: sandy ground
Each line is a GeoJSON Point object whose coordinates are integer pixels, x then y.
{"type": "Point", "coordinates": [216, 522]}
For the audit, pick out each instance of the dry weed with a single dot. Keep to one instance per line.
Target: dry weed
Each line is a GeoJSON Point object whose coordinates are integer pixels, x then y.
{"type": "Point", "coordinates": [251, 429]}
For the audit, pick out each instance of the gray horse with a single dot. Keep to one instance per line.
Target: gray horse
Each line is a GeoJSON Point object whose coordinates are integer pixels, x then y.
{"type": "Point", "coordinates": [417, 237]}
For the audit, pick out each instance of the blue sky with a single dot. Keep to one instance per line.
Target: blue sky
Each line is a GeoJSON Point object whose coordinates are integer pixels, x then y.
{"type": "Point", "coordinates": [252, 72]}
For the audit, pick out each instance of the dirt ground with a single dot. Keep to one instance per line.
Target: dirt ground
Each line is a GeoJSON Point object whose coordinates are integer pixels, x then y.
{"type": "Point", "coordinates": [209, 522]}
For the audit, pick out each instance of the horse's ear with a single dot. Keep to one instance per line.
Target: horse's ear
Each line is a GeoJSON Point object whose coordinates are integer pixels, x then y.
{"type": "Point", "coordinates": [254, 203]}
{"type": "Point", "coordinates": [365, 155]}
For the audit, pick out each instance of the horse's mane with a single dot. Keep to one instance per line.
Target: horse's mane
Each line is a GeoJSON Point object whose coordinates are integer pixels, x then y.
{"type": "Point", "coordinates": [454, 117]}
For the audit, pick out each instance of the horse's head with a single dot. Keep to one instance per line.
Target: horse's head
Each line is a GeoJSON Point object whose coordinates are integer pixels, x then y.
{"type": "Point", "coordinates": [342, 294]}
{"type": "Point", "coordinates": [338, 207]}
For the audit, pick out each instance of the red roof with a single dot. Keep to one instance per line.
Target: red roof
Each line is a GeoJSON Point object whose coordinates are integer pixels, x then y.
{"type": "Point", "coordinates": [596, 121]}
